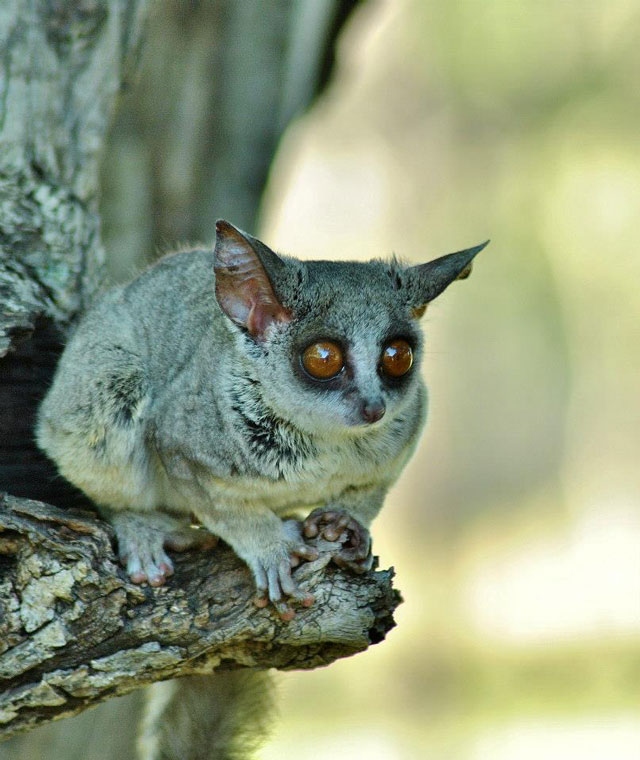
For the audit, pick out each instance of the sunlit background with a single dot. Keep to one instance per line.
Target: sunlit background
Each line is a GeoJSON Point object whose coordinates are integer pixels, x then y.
{"type": "Point", "coordinates": [515, 531]}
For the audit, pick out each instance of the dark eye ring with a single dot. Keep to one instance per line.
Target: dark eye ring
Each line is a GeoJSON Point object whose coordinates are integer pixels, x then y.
{"type": "Point", "coordinates": [322, 360]}
{"type": "Point", "coordinates": [396, 358]}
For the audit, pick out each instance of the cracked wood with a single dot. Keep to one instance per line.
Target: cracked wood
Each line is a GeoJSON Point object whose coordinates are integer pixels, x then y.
{"type": "Point", "coordinates": [74, 631]}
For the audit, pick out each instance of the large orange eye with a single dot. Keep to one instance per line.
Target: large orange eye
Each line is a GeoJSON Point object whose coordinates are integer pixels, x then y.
{"type": "Point", "coordinates": [323, 360]}
{"type": "Point", "coordinates": [397, 358]}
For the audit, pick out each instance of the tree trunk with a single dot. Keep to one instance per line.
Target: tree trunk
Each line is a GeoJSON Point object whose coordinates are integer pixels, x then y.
{"type": "Point", "coordinates": [220, 83]}
{"type": "Point", "coordinates": [61, 68]}
{"type": "Point", "coordinates": [194, 139]}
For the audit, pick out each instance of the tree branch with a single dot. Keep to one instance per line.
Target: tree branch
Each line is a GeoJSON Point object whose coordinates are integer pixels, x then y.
{"type": "Point", "coordinates": [74, 631]}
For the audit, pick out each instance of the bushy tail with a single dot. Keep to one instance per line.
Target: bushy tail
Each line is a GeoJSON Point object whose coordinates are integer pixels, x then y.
{"type": "Point", "coordinates": [224, 716]}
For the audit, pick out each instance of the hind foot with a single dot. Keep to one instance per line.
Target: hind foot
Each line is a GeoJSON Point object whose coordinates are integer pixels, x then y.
{"type": "Point", "coordinates": [353, 541]}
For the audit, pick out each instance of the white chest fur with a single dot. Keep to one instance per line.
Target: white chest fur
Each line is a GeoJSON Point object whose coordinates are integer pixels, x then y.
{"type": "Point", "coordinates": [322, 477]}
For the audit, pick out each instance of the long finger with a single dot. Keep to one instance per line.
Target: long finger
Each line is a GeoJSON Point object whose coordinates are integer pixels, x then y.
{"type": "Point", "coordinates": [290, 587]}
{"type": "Point", "coordinates": [306, 552]}
{"type": "Point", "coordinates": [261, 599]}
{"type": "Point", "coordinates": [333, 531]}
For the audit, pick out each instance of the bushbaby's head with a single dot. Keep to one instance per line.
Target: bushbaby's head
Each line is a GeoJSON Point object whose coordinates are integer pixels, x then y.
{"type": "Point", "coordinates": [336, 345]}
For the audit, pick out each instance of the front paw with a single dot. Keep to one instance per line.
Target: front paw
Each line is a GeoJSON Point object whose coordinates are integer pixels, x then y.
{"type": "Point", "coordinates": [143, 555]}
{"type": "Point", "coordinates": [272, 567]}
{"type": "Point", "coordinates": [143, 538]}
{"type": "Point", "coordinates": [337, 525]}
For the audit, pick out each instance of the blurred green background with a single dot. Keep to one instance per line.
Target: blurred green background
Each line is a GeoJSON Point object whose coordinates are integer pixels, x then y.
{"type": "Point", "coordinates": [515, 531]}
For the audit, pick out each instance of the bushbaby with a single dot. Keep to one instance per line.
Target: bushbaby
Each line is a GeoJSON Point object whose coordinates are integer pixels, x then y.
{"type": "Point", "coordinates": [242, 386]}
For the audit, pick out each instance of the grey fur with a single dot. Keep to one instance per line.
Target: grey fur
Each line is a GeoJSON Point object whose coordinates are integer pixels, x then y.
{"type": "Point", "coordinates": [222, 718]}
{"type": "Point", "coordinates": [170, 401]}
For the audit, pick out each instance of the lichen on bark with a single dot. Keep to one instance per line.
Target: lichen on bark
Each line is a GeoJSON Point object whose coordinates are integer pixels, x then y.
{"type": "Point", "coordinates": [75, 631]}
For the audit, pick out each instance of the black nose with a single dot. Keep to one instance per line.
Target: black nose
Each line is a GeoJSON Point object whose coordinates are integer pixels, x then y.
{"type": "Point", "coordinates": [372, 411]}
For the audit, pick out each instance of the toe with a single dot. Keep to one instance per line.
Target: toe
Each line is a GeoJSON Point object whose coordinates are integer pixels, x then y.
{"type": "Point", "coordinates": [261, 600]}
{"type": "Point", "coordinates": [166, 568]}
{"type": "Point", "coordinates": [163, 562]}
{"type": "Point", "coordinates": [134, 569]}
{"type": "Point", "coordinates": [310, 529]}
{"type": "Point", "coordinates": [306, 552]}
{"type": "Point", "coordinates": [291, 589]}
{"type": "Point", "coordinates": [275, 592]}
{"type": "Point", "coordinates": [157, 579]}
{"type": "Point", "coordinates": [286, 612]}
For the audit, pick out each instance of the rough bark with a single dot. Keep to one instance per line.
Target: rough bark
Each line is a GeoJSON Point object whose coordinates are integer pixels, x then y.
{"type": "Point", "coordinates": [74, 631]}
{"type": "Point", "coordinates": [61, 67]}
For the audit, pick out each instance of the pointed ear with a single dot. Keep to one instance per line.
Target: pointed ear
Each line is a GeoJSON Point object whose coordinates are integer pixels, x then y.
{"type": "Point", "coordinates": [426, 281]}
{"type": "Point", "coordinates": [243, 286]}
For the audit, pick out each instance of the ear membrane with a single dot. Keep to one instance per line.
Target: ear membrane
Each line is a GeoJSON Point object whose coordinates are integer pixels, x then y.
{"type": "Point", "coordinates": [418, 311]}
{"type": "Point", "coordinates": [426, 281]}
{"type": "Point", "coordinates": [243, 287]}
{"type": "Point", "coordinates": [465, 272]}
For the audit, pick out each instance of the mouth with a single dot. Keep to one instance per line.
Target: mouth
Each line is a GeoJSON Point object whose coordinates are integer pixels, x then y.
{"type": "Point", "coordinates": [359, 425]}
